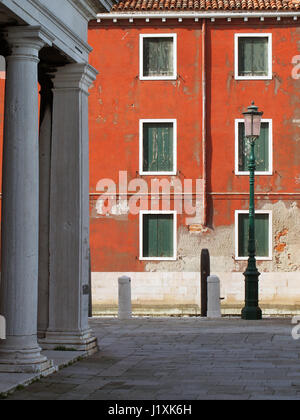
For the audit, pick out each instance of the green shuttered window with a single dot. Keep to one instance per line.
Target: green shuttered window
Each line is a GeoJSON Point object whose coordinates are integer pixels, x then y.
{"type": "Point", "coordinates": [261, 149]}
{"type": "Point", "coordinates": [261, 234]}
{"type": "Point", "coordinates": [158, 236]}
{"type": "Point", "coordinates": [253, 56]}
{"type": "Point", "coordinates": [158, 146]}
{"type": "Point", "coordinates": [158, 56]}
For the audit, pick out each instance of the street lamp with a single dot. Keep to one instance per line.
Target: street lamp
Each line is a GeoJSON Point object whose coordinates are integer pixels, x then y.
{"type": "Point", "coordinates": [251, 311]}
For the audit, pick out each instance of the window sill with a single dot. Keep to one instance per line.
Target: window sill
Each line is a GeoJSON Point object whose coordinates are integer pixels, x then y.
{"type": "Point", "coordinates": [259, 173]}
{"type": "Point", "coordinates": [158, 259]}
{"type": "Point", "coordinates": [152, 78]}
{"type": "Point", "coordinates": [158, 173]}
{"type": "Point", "coordinates": [253, 77]}
{"type": "Point", "coordinates": [257, 258]}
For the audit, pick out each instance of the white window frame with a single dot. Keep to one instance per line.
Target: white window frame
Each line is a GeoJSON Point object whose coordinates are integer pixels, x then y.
{"type": "Point", "coordinates": [142, 37]}
{"type": "Point", "coordinates": [270, 256]}
{"type": "Point", "coordinates": [141, 236]}
{"type": "Point", "coordinates": [141, 146]}
{"type": "Point", "coordinates": [236, 53]}
{"type": "Point", "coordinates": [236, 163]}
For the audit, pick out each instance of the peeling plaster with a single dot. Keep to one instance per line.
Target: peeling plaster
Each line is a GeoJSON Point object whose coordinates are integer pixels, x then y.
{"type": "Point", "coordinates": [221, 245]}
{"type": "Point", "coordinates": [120, 209]}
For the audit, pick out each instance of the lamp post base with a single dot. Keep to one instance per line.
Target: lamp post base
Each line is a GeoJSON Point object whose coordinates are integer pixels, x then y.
{"type": "Point", "coordinates": [251, 313]}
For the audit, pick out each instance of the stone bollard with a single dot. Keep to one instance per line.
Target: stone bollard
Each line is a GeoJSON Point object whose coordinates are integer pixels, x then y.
{"type": "Point", "coordinates": [125, 309]}
{"type": "Point", "coordinates": [213, 297]}
{"type": "Point", "coordinates": [2, 328]}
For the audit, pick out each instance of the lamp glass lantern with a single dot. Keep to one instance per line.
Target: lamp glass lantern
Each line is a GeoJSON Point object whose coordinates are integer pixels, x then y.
{"type": "Point", "coordinates": [252, 121]}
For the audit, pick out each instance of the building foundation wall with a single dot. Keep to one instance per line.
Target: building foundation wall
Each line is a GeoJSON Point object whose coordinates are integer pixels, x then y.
{"type": "Point", "coordinates": [179, 293]}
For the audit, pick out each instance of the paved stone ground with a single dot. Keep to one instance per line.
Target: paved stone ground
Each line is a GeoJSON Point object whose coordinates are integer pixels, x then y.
{"type": "Point", "coordinates": [10, 381]}
{"type": "Point", "coordinates": [181, 359]}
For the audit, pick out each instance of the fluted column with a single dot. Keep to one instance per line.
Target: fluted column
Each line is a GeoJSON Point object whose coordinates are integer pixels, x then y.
{"type": "Point", "coordinates": [69, 211]}
{"type": "Point", "coordinates": [45, 141]}
{"type": "Point", "coordinates": [20, 205]}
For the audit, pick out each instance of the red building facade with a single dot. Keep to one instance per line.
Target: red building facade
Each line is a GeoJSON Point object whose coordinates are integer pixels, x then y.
{"type": "Point", "coordinates": [164, 70]}
{"type": "Point", "coordinates": [166, 116]}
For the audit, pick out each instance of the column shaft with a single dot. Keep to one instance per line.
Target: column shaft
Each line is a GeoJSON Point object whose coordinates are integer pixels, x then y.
{"type": "Point", "coordinates": [20, 208]}
{"type": "Point", "coordinates": [69, 220]}
{"type": "Point", "coordinates": [45, 141]}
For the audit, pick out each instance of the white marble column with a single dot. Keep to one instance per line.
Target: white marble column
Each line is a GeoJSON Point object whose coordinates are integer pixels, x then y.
{"type": "Point", "coordinates": [45, 140]}
{"type": "Point", "coordinates": [69, 212]}
{"type": "Point", "coordinates": [20, 207]}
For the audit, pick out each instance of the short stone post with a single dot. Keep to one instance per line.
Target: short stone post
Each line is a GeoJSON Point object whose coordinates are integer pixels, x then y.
{"type": "Point", "coordinates": [2, 328]}
{"type": "Point", "coordinates": [213, 297]}
{"type": "Point", "coordinates": [125, 308]}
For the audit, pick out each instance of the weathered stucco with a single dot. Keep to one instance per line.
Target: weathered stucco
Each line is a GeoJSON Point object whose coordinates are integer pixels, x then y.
{"type": "Point", "coordinates": [221, 244]}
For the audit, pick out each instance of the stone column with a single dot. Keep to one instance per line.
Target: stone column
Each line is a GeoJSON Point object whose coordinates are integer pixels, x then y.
{"type": "Point", "coordinates": [69, 215]}
{"type": "Point", "coordinates": [44, 202]}
{"type": "Point", "coordinates": [20, 207]}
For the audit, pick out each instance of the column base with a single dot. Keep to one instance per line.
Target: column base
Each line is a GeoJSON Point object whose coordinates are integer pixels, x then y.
{"type": "Point", "coordinates": [45, 368]}
{"type": "Point", "coordinates": [26, 360]}
{"type": "Point", "coordinates": [70, 341]}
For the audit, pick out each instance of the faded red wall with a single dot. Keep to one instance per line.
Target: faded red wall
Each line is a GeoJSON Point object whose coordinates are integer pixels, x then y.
{"type": "Point", "coordinates": [119, 99]}
{"type": "Point", "coordinates": [278, 98]}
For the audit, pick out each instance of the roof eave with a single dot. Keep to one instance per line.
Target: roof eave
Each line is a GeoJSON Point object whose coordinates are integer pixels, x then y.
{"type": "Point", "coordinates": [196, 14]}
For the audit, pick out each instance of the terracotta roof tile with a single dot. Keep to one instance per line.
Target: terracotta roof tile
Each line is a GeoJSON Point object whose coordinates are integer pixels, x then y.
{"type": "Point", "coordinates": [193, 5]}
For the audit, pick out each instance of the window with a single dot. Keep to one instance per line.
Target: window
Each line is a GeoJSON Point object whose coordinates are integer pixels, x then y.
{"type": "Point", "coordinates": [158, 235]}
{"type": "Point", "coordinates": [262, 149]}
{"type": "Point", "coordinates": [158, 149]}
{"type": "Point", "coordinates": [253, 56]}
{"type": "Point", "coordinates": [263, 234]}
{"type": "Point", "coordinates": [158, 59]}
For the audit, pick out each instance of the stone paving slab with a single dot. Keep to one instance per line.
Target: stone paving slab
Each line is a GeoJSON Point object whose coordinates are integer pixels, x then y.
{"type": "Point", "coordinates": [180, 359]}
{"type": "Point", "coordinates": [12, 381]}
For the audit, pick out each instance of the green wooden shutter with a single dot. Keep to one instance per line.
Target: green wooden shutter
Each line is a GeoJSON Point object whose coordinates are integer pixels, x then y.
{"type": "Point", "coordinates": [245, 57]}
{"type": "Point", "coordinates": [165, 236]}
{"type": "Point", "coordinates": [149, 235]}
{"type": "Point", "coordinates": [253, 56]}
{"type": "Point", "coordinates": [150, 148]}
{"type": "Point", "coordinates": [261, 149]}
{"type": "Point", "coordinates": [158, 233]}
{"type": "Point", "coordinates": [243, 235]}
{"type": "Point", "coordinates": [149, 56]}
{"type": "Point", "coordinates": [261, 235]}
{"type": "Point", "coordinates": [260, 56]}
{"type": "Point", "coordinates": [165, 147]}
{"type": "Point", "coordinates": [158, 57]}
{"type": "Point", "coordinates": [243, 157]}
{"type": "Point", "coordinates": [158, 147]}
